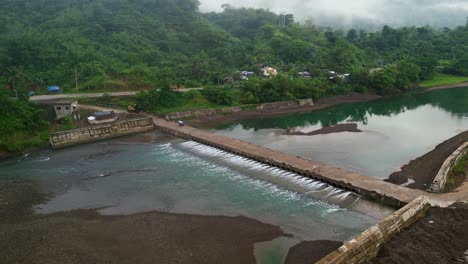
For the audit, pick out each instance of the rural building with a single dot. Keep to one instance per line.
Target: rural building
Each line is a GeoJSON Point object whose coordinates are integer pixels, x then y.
{"type": "Point", "coordinates": [244, 75]}
{"type": "Point", "coordinates": [65, 108]}
{"type": "Point", "coordinates": [305, 74]}
{"type": "Point", "coordinates": [268, 72]}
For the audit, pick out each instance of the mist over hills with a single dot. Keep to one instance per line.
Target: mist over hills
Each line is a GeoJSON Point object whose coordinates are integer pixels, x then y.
{"type": "Point", "coordinates": [367, 14]}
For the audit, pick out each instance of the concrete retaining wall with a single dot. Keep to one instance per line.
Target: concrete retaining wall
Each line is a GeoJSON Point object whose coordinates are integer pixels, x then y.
{"type": "Point", "coordinates": [235, 109]}
{"type": "Point", "coordinates": [181, 115]}
{"type": "Point", "coordinates": [438, 184]}
{"type": "Point", "coordinates": [371, 188]}
{"type": "Point", "coordinates": [78, 136]}
{"type": "Point", "coordinates": [365, 246]}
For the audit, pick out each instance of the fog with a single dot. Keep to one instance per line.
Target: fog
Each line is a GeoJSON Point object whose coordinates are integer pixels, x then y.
{"type": "Point", "coordinates": [360, 13]}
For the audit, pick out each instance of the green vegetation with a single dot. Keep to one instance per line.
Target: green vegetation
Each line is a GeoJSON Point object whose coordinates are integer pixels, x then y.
{"type": "Point", "coordinates": [67, 123]}
{"type": "Point", "coordinates": [21, 123]}
{"type": "Point", "coordinates": [461, 165]}
{"type": "Point", "coordinates": [443, 79]}
{"type": "Point", "coordinates": [458, 174]}
{"type": "Point", "coordinates": [156, 45]}
{"type": "Point", "coordinates": [140, 44]}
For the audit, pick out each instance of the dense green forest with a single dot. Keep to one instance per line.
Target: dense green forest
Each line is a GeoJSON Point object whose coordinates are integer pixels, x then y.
{"type": "Point", "coordinates": [159, 44]}
{"type": "Point", "coordinates": [138, 43]}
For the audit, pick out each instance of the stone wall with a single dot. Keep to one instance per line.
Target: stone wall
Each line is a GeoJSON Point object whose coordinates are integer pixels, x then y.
{"type": "Point", "coordinates": [285, 104]}
{"type": "Point", "coordinates": [365, 246]}
{"type": "Point", "coordinates": [79, 136]}
{"type": "Point", "coordinates": [438, 184]}
{"type": "Point", "coordinates": [235, 109]}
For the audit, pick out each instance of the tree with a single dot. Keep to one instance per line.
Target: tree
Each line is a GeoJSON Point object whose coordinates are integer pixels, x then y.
{"type": "Point", "coordinates": [352, 35]}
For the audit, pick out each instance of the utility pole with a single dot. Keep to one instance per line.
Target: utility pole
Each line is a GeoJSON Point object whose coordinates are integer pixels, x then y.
{"type": "Point", "coordinates": [76, 80]}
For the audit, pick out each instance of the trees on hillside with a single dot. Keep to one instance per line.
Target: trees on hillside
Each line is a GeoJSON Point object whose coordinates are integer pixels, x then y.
{"type": "Point", "coordinates": [130, 43]}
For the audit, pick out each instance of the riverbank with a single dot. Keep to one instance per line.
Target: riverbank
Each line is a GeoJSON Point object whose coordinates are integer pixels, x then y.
{"type": "Point", "coordinates": [440, 237]}
{"type": "Point", "coordinates": [216, 119]}
{"type": "Point", "coordinates": [449, 86]}
{"type": "Point", "coordinates": [422, 170]}
{"type": "Point", "coordinates": [84, 236]}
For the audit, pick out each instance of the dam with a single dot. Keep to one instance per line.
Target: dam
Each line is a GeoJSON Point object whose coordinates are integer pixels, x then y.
{"type": "Point", "coordinates": [368, 187]}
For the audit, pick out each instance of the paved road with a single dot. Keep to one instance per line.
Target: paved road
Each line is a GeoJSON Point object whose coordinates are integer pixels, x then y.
{"type": "Point", "coordinates": [65, 96]}
{"type": "Point", "coordinates": [91, 95]}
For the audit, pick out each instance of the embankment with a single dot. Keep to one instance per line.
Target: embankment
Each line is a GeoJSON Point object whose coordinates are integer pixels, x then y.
{"type": "Point", "coordinates": [258, 112]}
{"type": "Point", "coordinates": [267, 107]}
{"type": "Point", "coordinates": [441, 178]}
{"type": "Point", "coordinates": [439, 237]}
{"type": "Point", "coordinates": [365, 246]}
{"type": "Point", "coordinates": [90, 134]}
{"type": "Point", "coordinates": [422, 170]}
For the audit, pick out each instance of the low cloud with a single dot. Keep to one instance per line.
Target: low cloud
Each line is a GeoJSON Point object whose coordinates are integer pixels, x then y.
{"type": "Point", "coordinates": [355, 12]}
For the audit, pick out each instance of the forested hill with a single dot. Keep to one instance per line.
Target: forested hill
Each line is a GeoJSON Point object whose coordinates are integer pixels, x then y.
{"type": "Point", "coordinates": [138, 43]}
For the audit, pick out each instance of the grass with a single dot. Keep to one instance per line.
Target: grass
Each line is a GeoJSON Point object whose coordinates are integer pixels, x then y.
{"type": "Point", "coordinates": [443, 79]}
{"type": "Point", "coordinates": [20, 141]}
{"type": "Point", "coordinates": [120, 102]}
{"type": "Point", "coordinates": [190, 101]}
{"type": "Point", "coordinates": [461, 165]}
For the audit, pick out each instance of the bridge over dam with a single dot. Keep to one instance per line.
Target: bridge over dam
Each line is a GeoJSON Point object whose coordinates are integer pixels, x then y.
{"type": "Point", "coordinates": [368, 187]}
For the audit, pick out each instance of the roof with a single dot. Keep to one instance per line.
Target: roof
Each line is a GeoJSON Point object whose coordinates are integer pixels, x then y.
{"type": "Point", "coordinates": [53, 88]}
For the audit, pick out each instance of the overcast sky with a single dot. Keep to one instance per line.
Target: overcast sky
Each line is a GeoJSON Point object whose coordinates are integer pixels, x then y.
{"type": "Point", "coordinates": [392, 12]}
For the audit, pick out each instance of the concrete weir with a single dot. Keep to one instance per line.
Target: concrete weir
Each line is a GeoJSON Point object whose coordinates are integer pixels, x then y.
{"type": "Point", "coordinates": [374, 189]}
{"type": "Point", "coordinates": [100, 132]}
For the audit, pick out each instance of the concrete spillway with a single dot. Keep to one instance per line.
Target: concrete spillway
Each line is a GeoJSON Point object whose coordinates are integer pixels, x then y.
{"type": "Point", "coordinates": [368, 187]}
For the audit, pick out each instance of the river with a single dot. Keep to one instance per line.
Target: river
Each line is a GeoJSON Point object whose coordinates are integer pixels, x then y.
{"type": "Point", "coordinates": [122, 177]}
{"type": "Point", "coordinates": [125, 176]}
{"type": "Point", "coordinates": [394, 131]}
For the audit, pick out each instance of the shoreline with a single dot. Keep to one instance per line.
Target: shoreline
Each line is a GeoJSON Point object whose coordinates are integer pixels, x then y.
{"type": "Point", "coordinates": [423, 169]}
{"type": "Point", "coordinates": [85, 236]}
{"type": "Point", "coordinates": [219, 119]}
{"type": "Point", "coordinates": [447, 86]}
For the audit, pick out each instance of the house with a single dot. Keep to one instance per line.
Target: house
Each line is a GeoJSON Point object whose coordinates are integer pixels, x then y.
{"type": "Point", "coordinates": [268, 72]}
{"type": "Point", "coordinates": [65, 108]}
{"type": "Point", "coordinates": [305, 74]}
{"type": "Point", "coordinates": [340, 76]}
{"type": "Point", "coordinates": [244, 75]}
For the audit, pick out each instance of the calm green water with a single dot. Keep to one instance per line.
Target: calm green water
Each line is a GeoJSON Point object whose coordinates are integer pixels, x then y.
{"type": "Point", "coordinates": [395, 131]}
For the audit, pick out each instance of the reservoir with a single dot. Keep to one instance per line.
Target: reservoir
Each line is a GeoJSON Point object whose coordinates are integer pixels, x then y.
{"type": "Point", "coordinates": [394, 131]}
